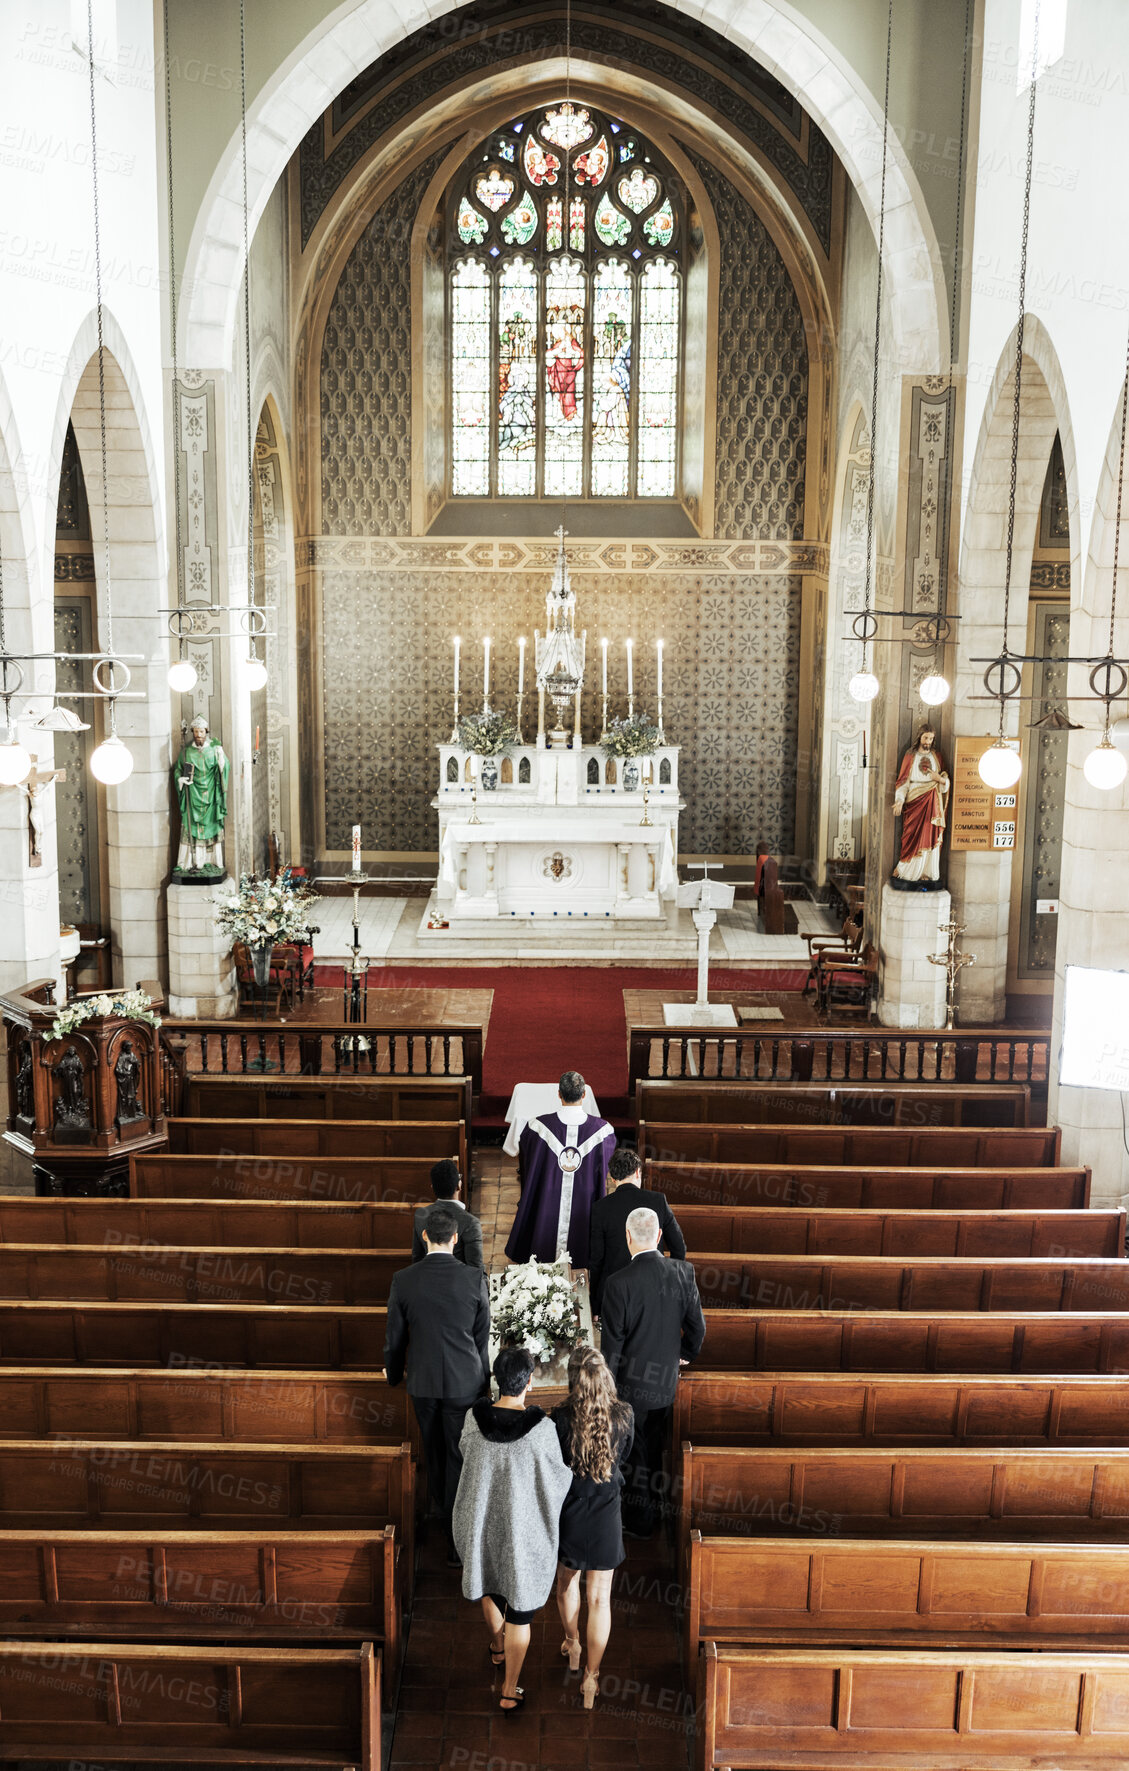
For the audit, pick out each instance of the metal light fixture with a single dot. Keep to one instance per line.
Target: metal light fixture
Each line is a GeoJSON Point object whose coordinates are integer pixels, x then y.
{"type": "Point", "coordinates": [1000, 766]}
{"type": "Point", "coordinates": [112, 762]}
{"type": "Point", "coordinates": [254, 672]}
{"type": "Point", "coordinates": [863, 686]}
{"type": "Point", "coordinates": [1106, 767]}
{"type": "Point", "coordinates": [934, 689]}
{"type": "Point", "coordinates": [182, 676]}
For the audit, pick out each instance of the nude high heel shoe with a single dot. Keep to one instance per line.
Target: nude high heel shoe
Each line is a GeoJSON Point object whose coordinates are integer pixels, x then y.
{"type": "Point", "coordinates": [570, 1647]}
{"type": "Point", "coordinates": [590, 1688]}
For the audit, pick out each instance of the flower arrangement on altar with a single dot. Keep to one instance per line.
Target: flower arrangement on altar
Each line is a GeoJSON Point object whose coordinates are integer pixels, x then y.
{"type": "Point", "coordinates": [265, 910]}
{"type": "Point", "coordinates": [130, 1005]}
{"type": "Point", "coordinates": [634, 736]}
{"type": "Point", "coordinates": [535, 1307]}
{"type": "Point", "coordinates": [489, 733]}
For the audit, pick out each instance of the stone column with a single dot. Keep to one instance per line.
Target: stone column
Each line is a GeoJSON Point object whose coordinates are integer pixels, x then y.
{"type": "Point", "coordinates": [201, 971]}
{"type": "Point", "coordinates": [912, 992]}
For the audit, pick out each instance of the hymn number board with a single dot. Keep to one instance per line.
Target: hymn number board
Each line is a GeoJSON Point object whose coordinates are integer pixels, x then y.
{"type": "Point", "coordinates": [981, 817]}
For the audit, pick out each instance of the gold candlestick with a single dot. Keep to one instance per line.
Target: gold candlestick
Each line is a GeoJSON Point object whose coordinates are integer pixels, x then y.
{"type": "Point", "coordinates": [520, 699]}
{"type": "Point", "coordinates": [954, 963]}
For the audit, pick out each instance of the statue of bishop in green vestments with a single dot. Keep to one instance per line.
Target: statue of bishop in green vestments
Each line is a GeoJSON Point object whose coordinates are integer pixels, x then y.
{"type": "Point", "coordinates": [201, 775]}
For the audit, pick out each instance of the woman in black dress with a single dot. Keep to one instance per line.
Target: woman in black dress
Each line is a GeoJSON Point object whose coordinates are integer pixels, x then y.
{"type": "Point", "coordinates": [596, 1431]}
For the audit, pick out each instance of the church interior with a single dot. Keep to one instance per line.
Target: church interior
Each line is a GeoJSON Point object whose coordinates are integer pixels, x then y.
{"type": "Point", "coordinates": [550, 541]}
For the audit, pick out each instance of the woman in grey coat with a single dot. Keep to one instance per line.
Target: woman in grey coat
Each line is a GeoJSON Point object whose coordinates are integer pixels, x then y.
{"type": "Point", "coordinates": [507, 1514]}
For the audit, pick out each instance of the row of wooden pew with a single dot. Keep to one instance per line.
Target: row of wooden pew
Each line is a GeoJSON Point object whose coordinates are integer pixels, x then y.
{"type": "Point", "coordinates": [902, 1462]}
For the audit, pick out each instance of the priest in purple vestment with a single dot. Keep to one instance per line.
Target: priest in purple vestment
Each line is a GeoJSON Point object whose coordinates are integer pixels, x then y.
{"type": "Point", "coordinates": [563, 1162]}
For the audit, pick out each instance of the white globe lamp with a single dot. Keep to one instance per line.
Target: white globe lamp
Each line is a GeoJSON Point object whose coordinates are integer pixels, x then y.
{"type": "Point", "coordinates": [1106, 767]}
{"type": "Point", "coordinates": [182, 676]}
{"type": "Point", "coordinates": [15, 762]}
{"type": "Point", "coordinates": [1000, 766]}
{"type": "Point", "coordinates": [255, 672]}
{"type": "Point", "coordinates": [112, 762]}
{"type": "Point", "coordinates": [933, 690]}
{"type": "Point", "coordinates": [863, 686]}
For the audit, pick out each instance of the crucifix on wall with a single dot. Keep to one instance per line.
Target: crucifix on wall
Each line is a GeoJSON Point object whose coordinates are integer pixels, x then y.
{"type": "Point", "coordinates": [34, 790]}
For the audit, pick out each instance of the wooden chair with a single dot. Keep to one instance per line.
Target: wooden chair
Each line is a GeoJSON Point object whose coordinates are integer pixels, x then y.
{"type": "Point", "coordinates": [845, 943]}
{"type": "Point", "coordinates": [283, 978]}
{"type": "Point", "coordinates": [848, 984]}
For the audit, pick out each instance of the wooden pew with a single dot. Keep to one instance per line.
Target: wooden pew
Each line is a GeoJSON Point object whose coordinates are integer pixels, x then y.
{"type": "Point", "coordinates": [963, 1492]}
{"type": "Point", "coordinates": [328, 1097]}
{"type": "Point", "coordinates": [195, 1586]}
{"type": "Point", "coordinates": [841, 1408]}
{"type": "Point", "coordinates": [210, 1223]}
{"type": "Point", "coordinates": [861, 1282]}
{"type": "Point", "coordinates": [887, 1595]}
{"type": "Point", "coordinates": [872, 1189]}
{"type": "Point", "coordinates": [751, 1229]}
{"type": "Point", "coordinates": [334, 1180]}
{"type": "Point", "coordinates": [917, 1105]}
{"type": "Point", "coordinates": [890, 1146]}
{"type": "Point", "coordinates": [183, 1705]}
{"type": "Point", "coordinates": [199, 1275]}
{"type": "Point", "coordinates": [856, 1709]}
{"type": "Point", "coordinates": [331, 1337]}
{"type": "Point", "coordinates": [427, 1139]}
{"type": "Point", "coordinates": [274, 1407]}
{"type": "Point", "coordinates": [904, 1340]}
{"type": "Point", "coordinates": [81, 1484]}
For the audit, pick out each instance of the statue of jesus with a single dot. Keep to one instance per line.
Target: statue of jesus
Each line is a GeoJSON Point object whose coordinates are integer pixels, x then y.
{"type": "Point", "coordinates": [201, 772]}
{"type": "Point", "coordinates": [921, 795]}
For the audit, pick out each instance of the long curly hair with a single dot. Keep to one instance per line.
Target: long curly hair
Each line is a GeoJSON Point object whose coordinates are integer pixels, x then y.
{"type": "Point", "coordinates": [598, 1420]}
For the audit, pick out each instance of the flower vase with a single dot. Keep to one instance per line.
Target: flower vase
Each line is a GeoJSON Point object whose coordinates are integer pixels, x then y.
{"type": "Point", "coordinates": [261, 954]}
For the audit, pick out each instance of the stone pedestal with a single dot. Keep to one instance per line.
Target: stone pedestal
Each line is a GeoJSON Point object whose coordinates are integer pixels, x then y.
{"type": "Point", "coordinates": [201, 973]}
{"type": "Point", "coordinates": [913, 991]}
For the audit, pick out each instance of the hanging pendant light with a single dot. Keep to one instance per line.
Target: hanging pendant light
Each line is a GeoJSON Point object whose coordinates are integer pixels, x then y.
{"type": "Point", "coordinates": [254, 672]}
{"type": "Point", "coordinates": [112, 762]}
{"type": "Point", "coordinates": [934, 689]}
{"type": "Point", "coordinates": [864, 685]}
{"type": "Point", "coordinates": [1106, 767]}
{"type": "Point", "coordinates": [182, 676]}
{"type": "Point", "coordinates": [1000, 766]}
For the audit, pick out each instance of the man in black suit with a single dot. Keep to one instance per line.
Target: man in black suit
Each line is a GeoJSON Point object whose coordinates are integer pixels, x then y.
{"type": "Point", "coordinates": [439, 1335]}
{"type": "Point", "coordinates": [446, 1184]}
{"type": "Point", "coordinates": [652, 1325]}
{"type": "Point", "coordinates": [607, 1243]}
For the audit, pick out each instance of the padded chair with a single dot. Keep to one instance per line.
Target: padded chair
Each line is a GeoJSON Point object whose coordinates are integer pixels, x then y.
{"type": "Point", "coordinates": [844, 945]}
{"type": "Point", "coordinates": [848, 984]}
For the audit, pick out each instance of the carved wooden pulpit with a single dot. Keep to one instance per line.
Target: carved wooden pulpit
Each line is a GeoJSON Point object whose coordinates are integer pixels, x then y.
{"type": "Point", "coordinates": [79, 1104]}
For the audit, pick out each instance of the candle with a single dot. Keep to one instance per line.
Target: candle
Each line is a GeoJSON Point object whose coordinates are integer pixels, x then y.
{"type": "Point", "coordinates": [630, 670]}
{"type": "Point", "coordinates": [458, 643]}
{"type": "Point", "coordinates": [659, 649]}
{"type": "Point", "coordinates": [604, 651]}
{"type": "Point", "coordinates": [256, 737]}
{"type": "Point", "coordinates": [485, 672]}
{"type": "Point", "coordinates": [521, 664]}
{"type": "Point", "coordinates": [356, 848]}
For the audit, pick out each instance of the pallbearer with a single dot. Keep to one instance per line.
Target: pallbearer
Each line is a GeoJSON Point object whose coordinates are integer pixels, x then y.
{"type": "Point", "coordinates": [563, 1160]}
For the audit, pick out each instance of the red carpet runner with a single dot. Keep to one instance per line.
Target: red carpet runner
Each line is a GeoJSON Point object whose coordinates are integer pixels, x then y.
{"type": "Point", "coordinates": [546, 1019]}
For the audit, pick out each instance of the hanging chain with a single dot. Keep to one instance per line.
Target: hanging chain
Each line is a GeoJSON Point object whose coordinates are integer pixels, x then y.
{"type": "Point", "coordinates": [101, 367]}
{"type": "Point", "coordinates": [869, 587]}
{"type": "Point", "coordinates": [1020, 329]}
{"type": "Point", "coordinates": [958, 228]}
{"type": "Point", "coordinates": [172, 328]}
{"type": "Point", "coordinates": [247, 325]}
{"type": "Point", "coordinates": [1120, 486]}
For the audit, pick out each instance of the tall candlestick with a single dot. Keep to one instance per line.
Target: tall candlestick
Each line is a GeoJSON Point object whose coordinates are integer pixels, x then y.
{"type": "Point", "coordinates": [630, 673]}
{"type": "Point", "coordinates": [659, 650]}
{"type": "Point", "coordinates": [521, 664]}
{"type": "Point", "coordinates": [356, 848]}
{"type": "Point", "coordinates": [485, 674]}
{"type": "Point", "coordinates": [455, 720]}
{"type": "Point", "coordinates": [604, 667]}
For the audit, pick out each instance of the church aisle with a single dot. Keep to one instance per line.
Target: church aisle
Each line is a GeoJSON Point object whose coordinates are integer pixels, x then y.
{"type": "Point", "coordinates": [448, 1715]}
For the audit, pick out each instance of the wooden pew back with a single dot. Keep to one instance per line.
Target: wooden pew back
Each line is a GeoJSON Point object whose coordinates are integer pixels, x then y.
{"type": "Point", "coordinates": [227, 1705]}
{"type": "Point", "coordinates": [315, 1137]}
{"type": "Point", "coordinates": [257, 1223]}
{"type": "Point", "coordinates": [891, 1146]}
{"type": "Point", "coordinates": [870, 1188]}
{"type": "Point", "coordinates": [324, 1337]}
{"type": "Point", "coordinates": [903, 1340]}
{"type": "Point", "coordinates": [199, 1275]}
{"type": "Point", "coordinates": [716, 1229]}
{"type": "Point", "coordinates": [847, 1709]}
{"type": "Point", "coordinates": [917, 1105]}
{"type": "Point", "coordinates": [332, 1180]}
{"type": "Point", "coordinates": [328, 1097]}
{"type": "Point", "coordinates": [850, 1282]}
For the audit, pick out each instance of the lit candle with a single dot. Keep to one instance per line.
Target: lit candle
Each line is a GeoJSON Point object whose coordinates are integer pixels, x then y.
{"type": "Point", "coordinates": [521, 664]}
{"type": "Point", "coordinates": [256, 737]}
{"type": "Point", "coordinates": [356, 848]}
{"type": "Point", "coordinates": [630, 670]}
{"type": "Point", "coordinates": [604, 650]}
{"type": "Point", "coordinates": [659, 649]}
{"type": "Point", "coordinates": [485, 672]}
{"type": "Point", "coordinates": [458, 643]}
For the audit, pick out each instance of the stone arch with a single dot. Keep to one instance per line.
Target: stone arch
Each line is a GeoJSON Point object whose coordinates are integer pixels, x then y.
{"type": "Point", "coordinates": [343, 46]}
{"type": "Point", "coordinates": [130, 501]}
{"type": "Point", "coordinates": [981, 882]}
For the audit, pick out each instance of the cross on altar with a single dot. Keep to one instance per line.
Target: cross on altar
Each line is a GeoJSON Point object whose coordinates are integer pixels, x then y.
{"type": "Point", "coordinates": [704, 897]}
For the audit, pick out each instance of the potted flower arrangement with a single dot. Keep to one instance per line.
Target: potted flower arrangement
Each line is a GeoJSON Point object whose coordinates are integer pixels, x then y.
{"type": "Point", "coordinates": [535, 1307]}
{"type": "Point", "coordinates": [635, 736]}
{"type": "Point", "coordinates": [488, 734]}
{"type": "Point", "coordinates": [262, 913]}
{"type": "Point", "coordinates": [130, 1005]}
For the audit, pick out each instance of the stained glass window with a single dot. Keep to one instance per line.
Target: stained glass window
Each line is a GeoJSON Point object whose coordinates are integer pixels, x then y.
{"type": "Point", "coordinates": [565, 313]}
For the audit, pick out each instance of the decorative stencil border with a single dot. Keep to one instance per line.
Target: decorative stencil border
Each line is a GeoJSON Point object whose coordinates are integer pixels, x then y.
{"type": "Point", "coordinates": [361, 553]}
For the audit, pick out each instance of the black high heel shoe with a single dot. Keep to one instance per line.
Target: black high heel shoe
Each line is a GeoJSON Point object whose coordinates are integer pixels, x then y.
{"type": "Point", "coordinates": [510, 1706]}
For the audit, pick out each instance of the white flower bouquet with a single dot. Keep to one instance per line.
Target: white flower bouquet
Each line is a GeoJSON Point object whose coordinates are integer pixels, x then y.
{"type": "Point", "coordinates": [265, 910]}
{"type": "Point", "coordinates": [131, 1005]}
{"type": "Point", "coordinates": [534, 1307]}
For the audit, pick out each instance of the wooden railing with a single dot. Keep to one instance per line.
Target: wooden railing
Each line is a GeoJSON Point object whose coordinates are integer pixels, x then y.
{"type": "Point", "coordinates": [967, 1054]}
{"type": "Point", "coordinates": [315, 1048]}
